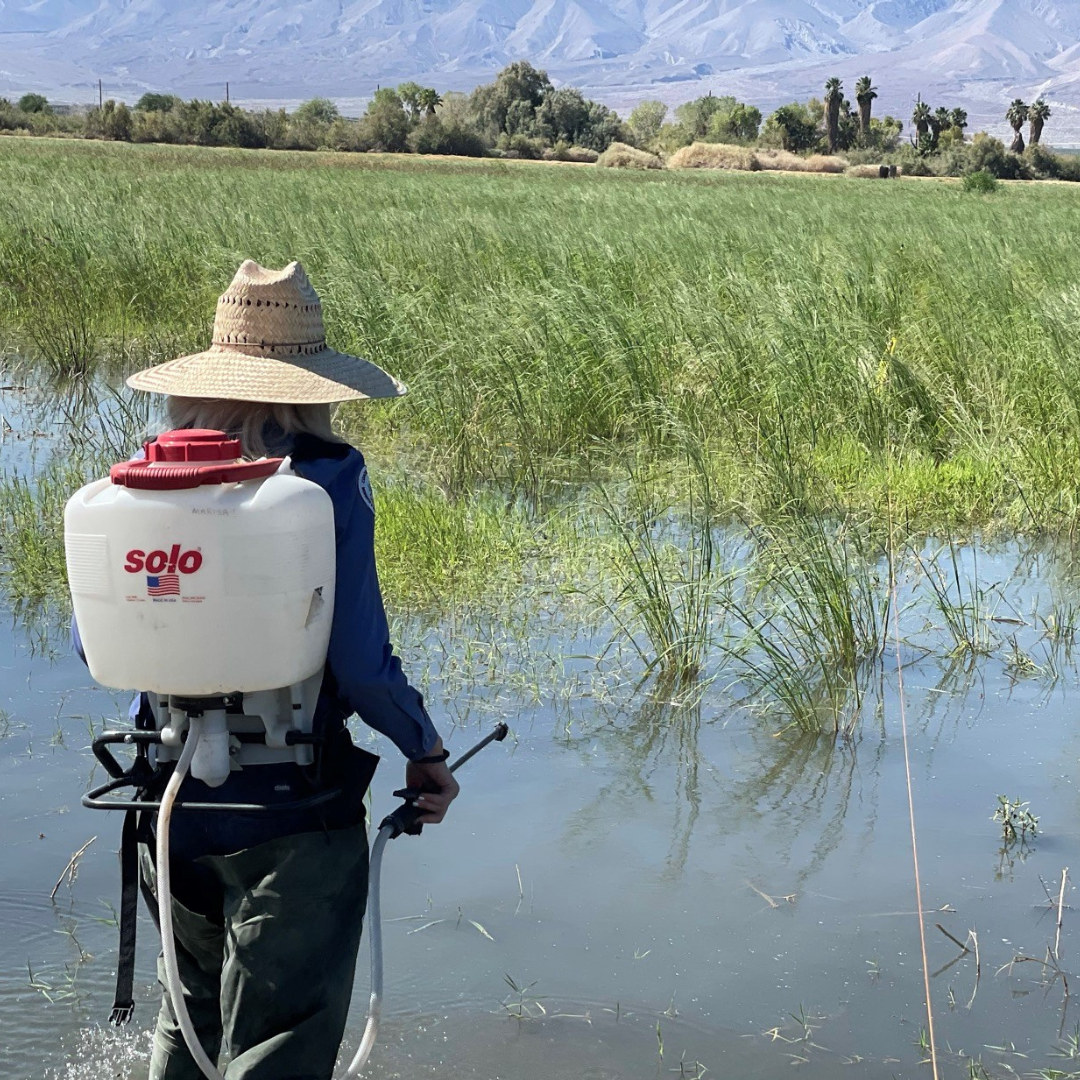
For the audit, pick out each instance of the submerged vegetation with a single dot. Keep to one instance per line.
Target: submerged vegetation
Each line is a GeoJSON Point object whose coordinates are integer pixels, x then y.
{"type": "Point", "coordinates": [709, 405]}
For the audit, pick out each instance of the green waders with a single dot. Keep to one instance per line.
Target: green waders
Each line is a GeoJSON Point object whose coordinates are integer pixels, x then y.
{"type": "Point", "coordinates": [271, 973]}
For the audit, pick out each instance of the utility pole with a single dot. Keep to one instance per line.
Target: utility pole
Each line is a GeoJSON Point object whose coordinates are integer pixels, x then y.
{"type": "Point", "coordinates": [226, 93]}
{"type": "Point", "coordinates": [100, 98]}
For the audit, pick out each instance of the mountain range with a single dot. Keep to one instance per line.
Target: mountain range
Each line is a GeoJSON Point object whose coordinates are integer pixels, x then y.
{"type": "Point", "coordinates": [978, 54]}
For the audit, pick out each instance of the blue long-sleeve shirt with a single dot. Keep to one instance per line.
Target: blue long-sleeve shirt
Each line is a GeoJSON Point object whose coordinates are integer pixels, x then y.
{"type": "Point", "coordinates": [363, 675]}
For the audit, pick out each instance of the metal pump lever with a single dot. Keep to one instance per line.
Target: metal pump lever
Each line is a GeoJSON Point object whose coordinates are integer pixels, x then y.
{"type": "Point", "coordinates": [403, 819]}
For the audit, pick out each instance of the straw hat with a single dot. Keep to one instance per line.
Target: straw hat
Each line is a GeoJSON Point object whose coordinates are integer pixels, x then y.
{"type": "Point", "coordinates": [269, 345]}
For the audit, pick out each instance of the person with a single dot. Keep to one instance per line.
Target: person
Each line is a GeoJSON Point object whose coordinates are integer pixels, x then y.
{"type": "Point", "coordinates": [268, 906]}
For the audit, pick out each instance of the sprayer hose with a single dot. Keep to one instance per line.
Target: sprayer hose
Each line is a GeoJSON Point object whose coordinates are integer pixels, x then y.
{"type": "Point", "coordinates": [165, 913]}
{"type": "Point", "coordinates": [374, 933]}
{"type": "Point", "coordinates": [168, 941]}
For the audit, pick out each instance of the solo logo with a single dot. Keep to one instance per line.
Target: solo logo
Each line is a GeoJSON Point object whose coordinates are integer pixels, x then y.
{"type": "Point", "coordinates": [163, 562]}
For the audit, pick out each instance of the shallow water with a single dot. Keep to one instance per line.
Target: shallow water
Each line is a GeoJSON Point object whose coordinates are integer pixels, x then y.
{"type": "Point", "coordinates": [653, 877]}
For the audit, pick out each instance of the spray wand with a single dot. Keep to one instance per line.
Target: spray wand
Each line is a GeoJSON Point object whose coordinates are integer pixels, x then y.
{"type": "Point", "coordinates": [402, 820]}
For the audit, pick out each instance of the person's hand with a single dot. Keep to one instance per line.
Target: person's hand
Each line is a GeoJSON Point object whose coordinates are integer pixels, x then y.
{"type": "Point", "coordinates": [438, 786]}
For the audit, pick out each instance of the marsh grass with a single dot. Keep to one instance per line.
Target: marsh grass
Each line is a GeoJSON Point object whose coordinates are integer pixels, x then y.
{"type": "Point", "coordinates": [849, 360]}
{"type": "Point", "coordinates": [813, 614]}
{"type": "Point", "coordinates": [666, 570]}
{"type": "Point", "coordinates": [533, 310]}
{"type": "Point", "coordinates": [963, 603]}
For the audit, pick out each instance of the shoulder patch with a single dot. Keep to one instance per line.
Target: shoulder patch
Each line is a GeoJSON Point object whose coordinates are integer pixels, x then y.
{"type": "Point", "coordinates": [364, 484]}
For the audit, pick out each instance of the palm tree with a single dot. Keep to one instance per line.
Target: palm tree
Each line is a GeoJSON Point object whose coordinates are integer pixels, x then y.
{"type": "Point", "coordinates": [921, 117]}
{"type": "Point", "coordinates": [1017, 115]}
{"type": "Point", "coordinates": [429, 100]}
{"type": "Point", "coordinates": [1038, 114]}
{"type": "Point", "coordinates": [864, 95]}
{"type": "Point", "coordinates": [834, 98]}
{"type": "Point", "coordinates": [939, 121]}
{"type": "Point", "coordinates": [958, 119]}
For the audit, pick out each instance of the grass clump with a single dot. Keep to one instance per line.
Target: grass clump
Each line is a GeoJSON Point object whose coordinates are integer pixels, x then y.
{"type": "Point", "coordinates": [785, 161]}
{"type": "Point", "coordinates": [981, 182]}
{"type": "Point", "coordinates": [621, 156]}
{"type": "Point", "coordinates": [701, 155]}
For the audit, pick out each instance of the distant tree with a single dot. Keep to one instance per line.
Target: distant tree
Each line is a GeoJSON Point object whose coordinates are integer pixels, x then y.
{"type": "Point", "coordinates": [410, 92]}
{"type": "Point", "coordinates": [864, 95]}
{"type": "Point", "coordinates": [1038, 114]}
{"type": "Point", "coordinates": [509, 104]}
{"type": "Point", "coordinates": [738, 123]}
{"type": "Point", "coordinates": [940, 121]}
{"type": "Point", "coordinates": [563, 115]}
{"type": "Point", "coordinates": [834, 98]}
{"type": "Point", "coordinates": [885, 133]}
{"type": "Point", "coordinates": [958, 119]}
{"type": "Point", "coordinates": [1017, 115]}
{"type": "Point", "coordinates": [602, 128]}
{"type": "Point", "coordinates": [157, 103]}
{"type": "Point", "coordinates": [430, 99]}
{"type": "Point", "coordinates": [34, 103]}
{"type": "Point", "coordinates": [646, 121]}
{"type": "Point", "coordinates": [921, 117]}
{"type": "Point", "coordinates": [696, 115]}
{"type": "Point", "coordinates": [386, 125]}
{"type": "Point", "coordinates": [847, 126]}
{"type": "Point", "coordinates": [316, 111]}
{"type": "Point", "coordinates": [793, 127]}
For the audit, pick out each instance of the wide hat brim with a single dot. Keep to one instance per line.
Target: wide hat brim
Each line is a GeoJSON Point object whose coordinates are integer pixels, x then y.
{"type": "Point", "coordinates": [228, 373]}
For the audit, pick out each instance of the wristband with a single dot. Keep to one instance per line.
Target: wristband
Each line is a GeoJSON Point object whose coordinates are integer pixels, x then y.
{"type": "Point", "coordinates": [433, 759]}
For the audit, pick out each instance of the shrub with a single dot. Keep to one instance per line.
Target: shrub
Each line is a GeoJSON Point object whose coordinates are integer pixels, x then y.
{"type": "Point", "coordinates": [154, 127]}
{"type": "Point", "coordinates": [702, 155]}
{"type": "Point", "coordinates": [989, 155]}
{"type": "Point", "coordinates": [1044, 164]}
{"type": "Point", "coordinates": [981, 182]}
{"type": "Point", "coordinates": [521, 146]}
{"type": "Point", "coordinates": [620, 156]}
{"type": "Point", "coordinates": [954, 161]}
{"type": "Point", "coordinates": [562, 151]}
{"type": "Point", "coordinates": [432, 136]}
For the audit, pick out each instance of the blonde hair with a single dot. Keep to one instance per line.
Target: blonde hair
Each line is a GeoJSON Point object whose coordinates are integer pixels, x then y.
{"type": "Point", "coordinates": [246, 420]}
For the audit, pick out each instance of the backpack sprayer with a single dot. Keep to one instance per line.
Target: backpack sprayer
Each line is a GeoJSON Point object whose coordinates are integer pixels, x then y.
{"type": "Point", "coordinates": [165, 557]}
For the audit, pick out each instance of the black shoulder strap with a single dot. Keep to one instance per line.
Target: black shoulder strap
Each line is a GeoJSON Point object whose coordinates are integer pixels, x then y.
{"type": "Point", "coordinates": [310, 447]}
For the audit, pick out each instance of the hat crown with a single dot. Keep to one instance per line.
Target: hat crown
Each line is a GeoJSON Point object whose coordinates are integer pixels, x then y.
{"type": "Point", "coordinates": [270, 313]}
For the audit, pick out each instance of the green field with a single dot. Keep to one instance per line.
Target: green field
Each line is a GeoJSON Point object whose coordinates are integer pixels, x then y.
{"type": "Point", "coordinates": [827, 361]}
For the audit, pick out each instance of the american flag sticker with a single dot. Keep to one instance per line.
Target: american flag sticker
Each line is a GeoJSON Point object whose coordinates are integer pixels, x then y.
{"type": "Point", "coordinates": [163, 585]}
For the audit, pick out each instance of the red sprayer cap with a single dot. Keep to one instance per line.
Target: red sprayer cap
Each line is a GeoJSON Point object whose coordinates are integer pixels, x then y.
{"type": "Point", "coordinates": [193, 444]}
{"type": "Point", "coordinates": [171, 462]}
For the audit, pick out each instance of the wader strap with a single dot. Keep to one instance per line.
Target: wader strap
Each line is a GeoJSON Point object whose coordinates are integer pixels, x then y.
{"type": "Point", "coordinates": [145, 835]}
{"type": "Point", "coordinates": [124, 1002]}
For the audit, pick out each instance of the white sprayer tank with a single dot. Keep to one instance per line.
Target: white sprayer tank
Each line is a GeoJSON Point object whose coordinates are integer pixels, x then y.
{"type": "Point", "coordinates": [193, 573]}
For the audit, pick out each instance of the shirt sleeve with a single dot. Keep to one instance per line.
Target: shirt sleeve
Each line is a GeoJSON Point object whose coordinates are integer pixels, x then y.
{"type": "Point", "coordinates": [368, 675]}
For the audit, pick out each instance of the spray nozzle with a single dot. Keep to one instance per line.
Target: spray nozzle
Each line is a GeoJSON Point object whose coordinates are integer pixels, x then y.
{"type": "Point", "coordinates": [404, 818]}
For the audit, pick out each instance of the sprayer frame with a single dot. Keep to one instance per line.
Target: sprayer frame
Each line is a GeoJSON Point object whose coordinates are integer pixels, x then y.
{"type": "Point", "coordinates": [142, 775]}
